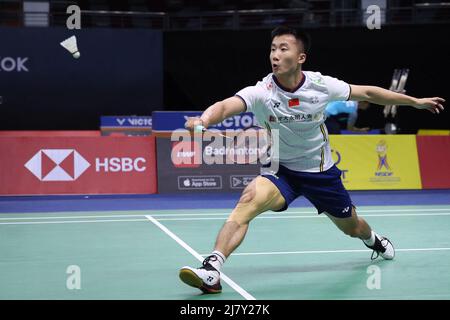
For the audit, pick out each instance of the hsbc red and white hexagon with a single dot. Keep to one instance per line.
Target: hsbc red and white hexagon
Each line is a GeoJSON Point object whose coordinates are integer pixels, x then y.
{"type": "Point", "coordinates": [77, 165]}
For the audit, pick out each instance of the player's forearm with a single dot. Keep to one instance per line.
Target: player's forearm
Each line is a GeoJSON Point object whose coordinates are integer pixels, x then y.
{"type": "Point", "coordinates": [222, 110]}
{"type": "Point", "coordinates": [214, 114]}
{"type": "Point", "coordinates": [382, 96]}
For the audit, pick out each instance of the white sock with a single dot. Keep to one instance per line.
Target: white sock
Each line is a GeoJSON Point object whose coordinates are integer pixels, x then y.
{"type": "Point", "coordinates": [370, 241]}
{"type": "Point", "coordinates": [220, 260]}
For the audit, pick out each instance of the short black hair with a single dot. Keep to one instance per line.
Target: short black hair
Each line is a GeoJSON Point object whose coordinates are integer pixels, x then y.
{"type": "Point", "coordinates": [300, 35]}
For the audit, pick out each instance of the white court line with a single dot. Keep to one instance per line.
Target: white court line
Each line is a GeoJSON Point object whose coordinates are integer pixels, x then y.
{"type": "Point", "coordinates": [317, 216]}
{"type": "Point", "coordinates": [76, 217]}
{"type": "Point", "coordinates": [328, 251]}
{"type": "Point", "coordinates": [211, 214]}
{"type": "Point", "coordinates": [230, 282]}
{"type": "Point", "coordinates": [74, 221]}
{"type": "Point", "coordinates": [131, 215]}
{"type": "Point", "coordinates": [387, 210]}
{"type": "Point", "coordinates": [223, 218]}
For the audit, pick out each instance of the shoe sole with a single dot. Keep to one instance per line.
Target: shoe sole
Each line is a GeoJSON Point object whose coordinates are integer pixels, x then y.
{"type": "Point", "coordinates": [191, 279]}
{"type": "Point", "coordinates": [388, 257]}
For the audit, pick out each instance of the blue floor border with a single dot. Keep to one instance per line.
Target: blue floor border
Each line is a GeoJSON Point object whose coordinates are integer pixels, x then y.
{"type": "Point", "coordinates": [29, 204]}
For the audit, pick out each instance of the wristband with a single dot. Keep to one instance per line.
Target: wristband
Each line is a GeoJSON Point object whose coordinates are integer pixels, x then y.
{"type": "Point", "coordinates": [199, 128]}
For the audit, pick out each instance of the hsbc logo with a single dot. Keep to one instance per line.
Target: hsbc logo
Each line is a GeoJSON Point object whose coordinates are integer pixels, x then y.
{"type": "Point", "coordinates": [57, 165]}
{"type": "Point", "coordinates": [120, 164]}
{"type": "Point", "coordinates": [69, 165]}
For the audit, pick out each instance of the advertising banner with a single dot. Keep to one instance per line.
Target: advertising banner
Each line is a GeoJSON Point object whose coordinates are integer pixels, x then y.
{"type": "Point", "coordinates": [377, 162]}
{"type": "Point", "coordinates": [181, 169]}
{"type": "Point", "coordinates": [434, 155]}
{"type": "Point", "coordinates": [126, 125]}
{"type": "Point", "coordinates": [77, 165]}
{"type": "Point", "coordinates": [168, 121]}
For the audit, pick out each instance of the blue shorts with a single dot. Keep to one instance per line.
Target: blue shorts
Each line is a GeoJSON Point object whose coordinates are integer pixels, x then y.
{"type": "Point", "coordinates": [323, 189]}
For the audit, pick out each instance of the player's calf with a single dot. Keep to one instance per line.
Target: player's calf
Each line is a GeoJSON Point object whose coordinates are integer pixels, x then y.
{"type": "Point", "coordinates": [357, 227]}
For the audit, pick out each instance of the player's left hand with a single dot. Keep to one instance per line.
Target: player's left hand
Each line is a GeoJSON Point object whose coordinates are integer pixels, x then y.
{"type": "Point", "coordinates": [433, 105]}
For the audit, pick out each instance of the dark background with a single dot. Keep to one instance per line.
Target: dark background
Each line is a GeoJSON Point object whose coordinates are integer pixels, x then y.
{"type": "Point", "coordinates": [119, 73]}
{"type": "Point", "coordinates": [203, 67]}
{"type": "Point", "coordinates": [137, 71]}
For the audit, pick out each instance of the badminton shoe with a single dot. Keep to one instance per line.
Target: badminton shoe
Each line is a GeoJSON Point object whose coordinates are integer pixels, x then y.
{"type": "Point", "coordinates": [206, 278]}
{"type": "Point", "coordinates": [382, 247]}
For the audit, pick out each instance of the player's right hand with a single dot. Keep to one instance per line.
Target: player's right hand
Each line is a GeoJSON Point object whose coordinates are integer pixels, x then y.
{"type": "Point", "coordinates": [192, 122]}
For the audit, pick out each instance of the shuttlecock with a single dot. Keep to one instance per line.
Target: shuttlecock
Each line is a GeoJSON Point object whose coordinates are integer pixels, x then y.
{"type": "Point", "coordinates": [71, 45]}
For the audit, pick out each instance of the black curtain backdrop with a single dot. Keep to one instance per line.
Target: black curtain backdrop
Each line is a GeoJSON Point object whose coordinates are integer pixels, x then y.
{"type": "Point", "coordinates": [203, 67]}
{"type": "Point", "coordinates": [119, 72]}
{"type": "Point", "coordinates": [137, 71]}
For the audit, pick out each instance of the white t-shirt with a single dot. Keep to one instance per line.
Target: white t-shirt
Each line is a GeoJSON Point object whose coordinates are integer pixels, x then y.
{"type": "Point", "coordinates": [299, 117]}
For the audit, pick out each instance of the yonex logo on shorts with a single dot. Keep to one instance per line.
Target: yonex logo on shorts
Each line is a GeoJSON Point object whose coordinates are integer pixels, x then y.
{"type": "Point", "coordinates": [57, 165]}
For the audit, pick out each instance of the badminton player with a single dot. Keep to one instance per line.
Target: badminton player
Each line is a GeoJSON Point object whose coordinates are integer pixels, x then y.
{"type": "Point", "coordinates": [306, 167]}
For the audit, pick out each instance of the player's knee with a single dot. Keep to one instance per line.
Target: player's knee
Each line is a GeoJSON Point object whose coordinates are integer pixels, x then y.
{"type": "Point", "coordinates": [246, 209]}
{"type": "Point", "coordinates": [260, 194]}
{"type": "Point", "coordinates": [257, 197]}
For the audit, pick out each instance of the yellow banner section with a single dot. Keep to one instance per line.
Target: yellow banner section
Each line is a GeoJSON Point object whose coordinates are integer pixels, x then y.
{"type": "Point", "coordinates": [426, 132]}
{"type": "Point", "coordinates": [371, 162]}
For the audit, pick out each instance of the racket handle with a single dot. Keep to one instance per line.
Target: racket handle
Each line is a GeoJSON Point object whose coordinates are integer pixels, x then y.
{"type": "Point", "coordinates": [199, 128]}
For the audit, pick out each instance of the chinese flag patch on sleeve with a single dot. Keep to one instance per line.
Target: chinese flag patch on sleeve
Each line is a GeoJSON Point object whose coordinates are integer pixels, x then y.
{"type": "Point", "coordinates": [294, 102]}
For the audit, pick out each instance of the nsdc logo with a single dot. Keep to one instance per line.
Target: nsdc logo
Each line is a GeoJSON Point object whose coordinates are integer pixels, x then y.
{"type": "Point", "coordinates": [381, 149]}
{"type": "Point", "coordinates": [57, 165]}
{"type": "Point", "coordinates": [336, 155]}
